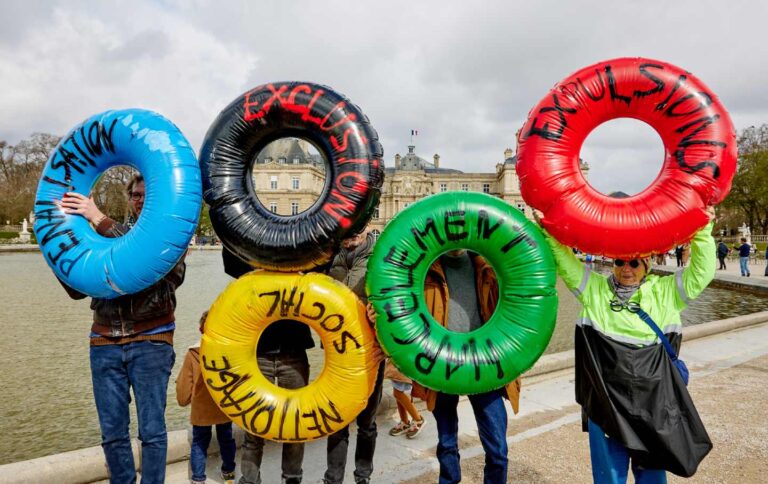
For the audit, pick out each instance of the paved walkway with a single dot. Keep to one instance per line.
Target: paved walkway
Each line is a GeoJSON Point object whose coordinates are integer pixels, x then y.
{"type": "Point", "coordinates": [728, 383]}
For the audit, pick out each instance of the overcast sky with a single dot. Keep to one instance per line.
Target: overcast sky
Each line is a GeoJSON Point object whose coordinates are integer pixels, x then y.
{"type": "Point", "coordinates": [464, 74]}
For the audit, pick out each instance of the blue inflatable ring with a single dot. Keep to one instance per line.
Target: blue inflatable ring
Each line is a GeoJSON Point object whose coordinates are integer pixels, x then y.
{"type": "Point", "coordinates": [110, 267]}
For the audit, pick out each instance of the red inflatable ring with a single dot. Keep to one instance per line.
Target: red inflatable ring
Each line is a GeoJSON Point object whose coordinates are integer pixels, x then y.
{"type": "Point", "coordinates": [700, 160]}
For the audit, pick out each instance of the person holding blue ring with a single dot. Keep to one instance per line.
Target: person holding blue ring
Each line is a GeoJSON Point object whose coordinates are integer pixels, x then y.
{"type": "Point", "coordinates": [131, 347]}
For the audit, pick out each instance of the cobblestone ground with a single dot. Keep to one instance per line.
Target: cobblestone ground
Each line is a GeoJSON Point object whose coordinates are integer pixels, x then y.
{"type": "Point", "coordinates": [733, 404]}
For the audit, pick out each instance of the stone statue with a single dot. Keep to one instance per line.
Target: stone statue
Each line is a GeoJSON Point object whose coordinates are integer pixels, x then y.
{"type": "Point", "coordinates": [745, 232]}
{"type": "Point", "coordinates": [24, 235]}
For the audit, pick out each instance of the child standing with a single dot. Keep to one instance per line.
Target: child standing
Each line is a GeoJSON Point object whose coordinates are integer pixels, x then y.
{"type": "Point", "coordinates": [190, 387]}
{"type": "Point", "coordinates": [402, 386]}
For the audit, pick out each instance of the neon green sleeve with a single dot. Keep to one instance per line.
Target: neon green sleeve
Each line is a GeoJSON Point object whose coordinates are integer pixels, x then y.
{"type": "Point", "coordinates": [569, 267]}
{"type": "Point", "coordinates": [697, 276]}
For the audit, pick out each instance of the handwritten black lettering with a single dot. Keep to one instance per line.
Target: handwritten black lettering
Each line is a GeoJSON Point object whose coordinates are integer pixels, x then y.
{"type": "Point", "coordinates": [601, 82]}
{"type": "Point", "coordinates": [455, 218]}
{"type": "Point", "coordinates": [342, 348]}
{"type": "Point", "coordinates": [393, 259]}
{"type": "Point", "coordinates": [612, 87]}
{"type": "Point", "coordinates": [659, 83]}
{"type": "Point", "coordinates": [401, 311]}
{"type": "Point", "coordinates": [545, 131]}
{"type": "Point", "coordinates": [484, 228]}
{"type": "Point", "coordinates": [419, 235]}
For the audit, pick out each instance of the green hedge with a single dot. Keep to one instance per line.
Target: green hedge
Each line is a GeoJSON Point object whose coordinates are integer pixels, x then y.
{"type": "Point", "coordinates": [8, 236]}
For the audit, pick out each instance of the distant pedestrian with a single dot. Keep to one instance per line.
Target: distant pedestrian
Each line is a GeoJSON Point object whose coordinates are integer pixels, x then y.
{"type": "Point", "coordinates": [744, 251]}
{"type": "Point", "coordinates": [722, 253]}
{"type": "Point", "coordinates": [679, 255]}
{"type": "Point", "coordinates": [766, 261]}
{"type": "Point", "coordinates": [190, 388]}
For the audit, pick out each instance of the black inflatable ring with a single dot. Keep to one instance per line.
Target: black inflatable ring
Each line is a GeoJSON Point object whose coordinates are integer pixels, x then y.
{"type": "Point", "coordinates": [354, 174]}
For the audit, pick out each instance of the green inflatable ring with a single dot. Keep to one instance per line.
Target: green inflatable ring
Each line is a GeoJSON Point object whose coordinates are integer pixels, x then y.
{"type": "Point", "coordinates": [511, 341]}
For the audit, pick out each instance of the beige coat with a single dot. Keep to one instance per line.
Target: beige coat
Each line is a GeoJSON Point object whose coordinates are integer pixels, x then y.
{"type": "Point", "coordinates": [190, 387]}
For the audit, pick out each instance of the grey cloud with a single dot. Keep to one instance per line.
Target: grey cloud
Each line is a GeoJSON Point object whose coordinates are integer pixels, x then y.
{"type": "Point", "coordinates": [149, 43]}
{"type": "Point", "coordinates": [464, 74]}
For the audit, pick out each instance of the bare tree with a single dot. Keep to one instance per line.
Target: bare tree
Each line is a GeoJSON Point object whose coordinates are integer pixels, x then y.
{"type": "Point", "coordinates": [20, 168]}
{"type": "Point", "coordinates": [109, 191]}
{"type": "Point", "coordinates": [749, 193]}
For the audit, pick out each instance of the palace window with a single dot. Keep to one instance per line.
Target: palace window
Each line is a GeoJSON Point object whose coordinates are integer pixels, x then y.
{"type": "Point", "coordinates": [273, 207]}
{"type": "Point", "coordinates": [295, 183]}
{"type": "Point", "coordinates": [376, 212]}
{"type": "Point", "coordinates": [486, 188]}
{"type": "Point", "coordinates": [465, 187]}
{"type": "Point", "coordinates": [273, 182]}
{"type": "Point", "coordinates": [443, 187]}
{"type": "Point", "coordinates": [281, 160]}
{"type": "Point", "coordinates": [296, 160]}
{"type": "Point", "coordinates": [294, 208]}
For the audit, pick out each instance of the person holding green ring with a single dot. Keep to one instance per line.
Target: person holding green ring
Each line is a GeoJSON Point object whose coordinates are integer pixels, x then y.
{"type": "Point", "coordinates": [463, 288]}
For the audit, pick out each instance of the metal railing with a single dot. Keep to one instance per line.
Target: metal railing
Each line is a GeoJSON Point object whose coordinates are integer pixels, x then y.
{"type": "Point", "coordinates": [733, 239]}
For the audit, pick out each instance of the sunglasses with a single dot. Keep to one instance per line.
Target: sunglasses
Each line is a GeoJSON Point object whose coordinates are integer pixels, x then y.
{"type": "Point", "coordinates": [631, 306]}
{"type": "Point", "coordinates": [634, 263]}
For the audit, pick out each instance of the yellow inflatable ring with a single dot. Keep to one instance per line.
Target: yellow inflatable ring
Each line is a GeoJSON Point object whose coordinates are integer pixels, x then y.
{"type": "Point", "coordinates": [228, 355]}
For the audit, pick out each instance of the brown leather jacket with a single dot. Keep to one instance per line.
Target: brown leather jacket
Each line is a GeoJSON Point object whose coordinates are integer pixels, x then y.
{"type": "Point", "coordinates": [436, 296]}
{"type": "Point", "coordinates": [190, 387]}
{"type": "Point", "coordinates": [134, 313]}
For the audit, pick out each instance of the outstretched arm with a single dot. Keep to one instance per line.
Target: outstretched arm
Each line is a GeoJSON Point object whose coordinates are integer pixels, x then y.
{"type": "Point", "coordinates": [695, 278]}
{"type": "Point", "coordinates": [569, 267]}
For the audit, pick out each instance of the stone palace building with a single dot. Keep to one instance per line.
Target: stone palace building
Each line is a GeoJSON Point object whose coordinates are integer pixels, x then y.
{"type": "Point", "coordinates": [289, 175]}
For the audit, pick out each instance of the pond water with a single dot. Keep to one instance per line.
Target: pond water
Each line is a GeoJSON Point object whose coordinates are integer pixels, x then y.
{"type": "Point", "coordinates": [46, 402]}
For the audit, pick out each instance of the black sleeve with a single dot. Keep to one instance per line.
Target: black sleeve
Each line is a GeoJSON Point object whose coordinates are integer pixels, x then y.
{"type": "Point", "coordinates": [73, 293]}
{"type": "Point", "coordinates": [176, 276]}
{"type": "Point", "coordinates": [233, 265]}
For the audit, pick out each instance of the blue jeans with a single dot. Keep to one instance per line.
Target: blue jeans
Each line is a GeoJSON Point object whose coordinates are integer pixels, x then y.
{"type": "Point", "coordinates": [338, 443]}
{"type": "Point", "coordinates": [610, 461]}
{"type": "Point", "coordinates": [743, 263]}
{"type": "Point", "coordinates": [201, 438]}
{"type": "Point", "coordinates": [144, 366]}
{"type": "Point", "coordinates": [491, 417]}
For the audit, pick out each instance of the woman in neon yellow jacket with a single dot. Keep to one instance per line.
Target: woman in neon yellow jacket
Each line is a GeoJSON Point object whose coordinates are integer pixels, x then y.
{"type": "Point", "coordinates": [634, 403]}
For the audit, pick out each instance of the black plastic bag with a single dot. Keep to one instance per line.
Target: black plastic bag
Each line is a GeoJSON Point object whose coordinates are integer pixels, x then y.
{"type": "Point", "coordinates": [638, 397]}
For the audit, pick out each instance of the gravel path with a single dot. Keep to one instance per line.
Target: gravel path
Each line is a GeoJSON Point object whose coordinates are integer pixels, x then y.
{"type": "Point", "coordinates": [733, 404]}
